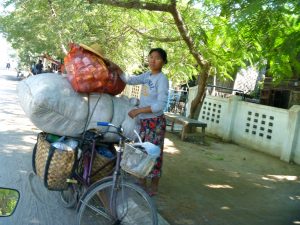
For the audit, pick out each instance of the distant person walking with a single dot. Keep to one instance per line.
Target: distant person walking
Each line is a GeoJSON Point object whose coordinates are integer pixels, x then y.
{"type": "Point", "coordinates": [39, 67]}
{"type": "Point", "coordinates": [8, 66]}
{"type": "Point", "coordinates": [33, 68]}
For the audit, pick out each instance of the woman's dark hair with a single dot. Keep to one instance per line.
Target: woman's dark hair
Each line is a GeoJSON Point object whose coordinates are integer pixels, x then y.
{"type": "Point", "coordinates": [161, 52]}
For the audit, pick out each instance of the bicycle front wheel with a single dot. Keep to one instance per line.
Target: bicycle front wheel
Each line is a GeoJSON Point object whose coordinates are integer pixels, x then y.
{"type": "Point", "coordinates": [132, 206]}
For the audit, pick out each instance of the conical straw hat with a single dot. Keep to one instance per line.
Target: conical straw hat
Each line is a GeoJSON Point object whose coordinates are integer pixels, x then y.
{"type": "Point", "coordinates": [95, 48]}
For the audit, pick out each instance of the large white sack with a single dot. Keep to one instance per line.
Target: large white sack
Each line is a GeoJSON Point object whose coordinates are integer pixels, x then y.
{"type": "Point", "coordinates": [52, 105]}
{"type": "Point", "coordinates": [121, 106]}
{"type": "Point", "coordinates": [100, 109]}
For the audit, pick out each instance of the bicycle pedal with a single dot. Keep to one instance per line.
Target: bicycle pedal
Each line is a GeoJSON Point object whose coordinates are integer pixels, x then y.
{"type": "Point", "coordinates": [72, 181]}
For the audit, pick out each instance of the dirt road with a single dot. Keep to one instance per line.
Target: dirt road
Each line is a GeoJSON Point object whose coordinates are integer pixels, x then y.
{"type": "Point", "coordinates": [37, 206]}
{"type": "Point", "coordinates": [225, 184]}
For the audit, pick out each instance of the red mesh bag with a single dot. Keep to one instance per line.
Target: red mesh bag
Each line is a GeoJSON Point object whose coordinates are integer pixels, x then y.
{"type": "Point", "coordinates": [88, 71]}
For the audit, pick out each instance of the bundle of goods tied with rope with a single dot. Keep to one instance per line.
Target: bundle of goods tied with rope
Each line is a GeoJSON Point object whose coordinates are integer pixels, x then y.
{"type": "Point", "coordinates": [89, 71]}
{"type": "Point", "coordinates": [71, 103]}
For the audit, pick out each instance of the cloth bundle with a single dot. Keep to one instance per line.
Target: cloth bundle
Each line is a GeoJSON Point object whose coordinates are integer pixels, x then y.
{"type": "Point", "coordinates": [53, 106]}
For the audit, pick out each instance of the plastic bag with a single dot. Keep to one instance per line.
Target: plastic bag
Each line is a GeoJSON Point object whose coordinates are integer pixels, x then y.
{"type": "Point", "coordinates": [88, 72]}
{"type": "Point", "coordinates": [136, 161]}
{"type": "Point", "coordinates": [152, 150]}
{"type": "Point", "coordinates": [65, 144]}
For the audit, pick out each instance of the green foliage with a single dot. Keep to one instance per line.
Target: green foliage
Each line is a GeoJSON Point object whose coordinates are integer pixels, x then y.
{"type": "Point", "coordinates": [228, 34]}
{"type": "Point", "coordinates": [269, 31]}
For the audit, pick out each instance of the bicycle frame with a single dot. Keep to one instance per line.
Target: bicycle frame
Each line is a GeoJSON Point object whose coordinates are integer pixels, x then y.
{"type": "Point", "coordinates": [116, 191]}
{"type": "Point", "coordinates": [87, 166]}
{"type": "Point", "coordinates": [87, 160]}
{"type": "Point", "coordinates": [117, 172]}
{"type": "Point", "coordinates": [116, 175]}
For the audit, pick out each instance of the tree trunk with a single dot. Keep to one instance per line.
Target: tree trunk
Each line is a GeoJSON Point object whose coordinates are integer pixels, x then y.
{"type": "Point", "coordinates": [198, 100]}
{"type": "Point", "coordinates": [53, 14]}
{"type": "Point", "coordinates": [171, 8]}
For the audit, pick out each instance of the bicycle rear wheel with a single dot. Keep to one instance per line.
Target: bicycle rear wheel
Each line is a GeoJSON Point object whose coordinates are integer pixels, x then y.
{"type": "Point", "coordinates": [69, 197]}
{"type": "Point", "coordinates": [33, 158]}
{"type": "Point", "coordinates": [133, 206]}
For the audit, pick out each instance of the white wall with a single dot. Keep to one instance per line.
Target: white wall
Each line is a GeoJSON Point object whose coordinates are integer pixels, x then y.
{"type": "Point", "coordinates": [260, 127]}
{"type": "Point", "coordinates": [296, 153]}
{"type": "Point", "coordinates": [267, 129]}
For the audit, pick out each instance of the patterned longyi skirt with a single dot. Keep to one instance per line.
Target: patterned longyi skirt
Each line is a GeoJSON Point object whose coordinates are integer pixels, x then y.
{"type": "Point", "coordinates": [153, 130]}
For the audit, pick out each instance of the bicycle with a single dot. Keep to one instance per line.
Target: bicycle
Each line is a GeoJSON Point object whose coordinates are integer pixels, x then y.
{"type": "Point", "coordinates": [83, 174]}
{"type": "Point", "coordinates": [112, 200]}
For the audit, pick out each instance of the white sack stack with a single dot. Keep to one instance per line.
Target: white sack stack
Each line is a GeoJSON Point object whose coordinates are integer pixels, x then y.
{"type": "Point", "coordinates": [52, 105]}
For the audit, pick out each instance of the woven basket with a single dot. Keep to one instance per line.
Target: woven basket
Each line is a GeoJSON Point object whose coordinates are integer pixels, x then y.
{"type": "Point", "coordinates": [102, 167]}
{"type": "Point", "coordinates": [54, 166]}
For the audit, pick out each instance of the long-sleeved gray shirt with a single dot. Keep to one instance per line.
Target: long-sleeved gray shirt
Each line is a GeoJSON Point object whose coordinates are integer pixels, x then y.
{"type": "Point", "coordinates": [154, 92]}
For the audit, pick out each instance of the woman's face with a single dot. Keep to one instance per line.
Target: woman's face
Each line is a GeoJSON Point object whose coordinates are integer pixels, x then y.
{"type": "Point", "coordinates": [155, 62]}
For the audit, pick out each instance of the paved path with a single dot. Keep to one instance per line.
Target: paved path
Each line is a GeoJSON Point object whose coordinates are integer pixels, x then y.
{"type": "Point", "coordinates": [37, 206]}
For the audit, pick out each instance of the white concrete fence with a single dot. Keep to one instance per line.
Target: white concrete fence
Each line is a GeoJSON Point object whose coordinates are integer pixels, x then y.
{"type": "Point", "coordinates": [267, 129]}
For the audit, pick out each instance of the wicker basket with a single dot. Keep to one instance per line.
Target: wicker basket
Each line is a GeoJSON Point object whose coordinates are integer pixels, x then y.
{"type": "Point", "coordinates": [53, 165]}
{"type": "Point", "coordinates": [102, 167]}
{"type": "Point", "coordinates": [136, 161]}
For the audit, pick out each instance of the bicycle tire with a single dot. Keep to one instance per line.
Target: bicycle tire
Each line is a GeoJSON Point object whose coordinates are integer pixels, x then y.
{"type": "Point", "coordinates": [33, 158]}
{"type": "Point", "coordinates": [69, 197]}
{"type": "Point", "coordinates": [133, 206]}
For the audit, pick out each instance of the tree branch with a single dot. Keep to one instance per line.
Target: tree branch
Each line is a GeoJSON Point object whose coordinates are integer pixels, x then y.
{"type": "Point", "coordinates": [186, 35]}
{"type": "Point", "coordinates": [135, 4]}
{"type": "Point", "coordinates": [155, 38]}
{"type": "Point", "coordinates": [184, 32]}
{"type": "Point", "coordinates": [170, 8]}
{"type": "Point", "coordinates": [53, 14]}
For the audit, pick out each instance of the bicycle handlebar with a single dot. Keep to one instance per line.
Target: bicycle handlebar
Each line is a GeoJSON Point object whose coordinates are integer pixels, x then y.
{"type": "Point", "coordinates": [105, 124]}
{"type": "Point", "coordinates": [119, 129]}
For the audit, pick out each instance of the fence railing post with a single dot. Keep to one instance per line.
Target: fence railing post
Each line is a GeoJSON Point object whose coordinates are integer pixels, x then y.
{"type": "Point", "coordinates": [291, 141]}
{"type": "Point", "coordinates": [231, 115]}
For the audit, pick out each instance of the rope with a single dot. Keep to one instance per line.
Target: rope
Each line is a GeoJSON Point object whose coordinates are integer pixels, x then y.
{"type": "Point", "coordinates": [90, 117]}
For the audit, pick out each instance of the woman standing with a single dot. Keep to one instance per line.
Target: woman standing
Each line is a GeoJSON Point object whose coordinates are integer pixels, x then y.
{"type": "Point", "coordinates": [153, 100]}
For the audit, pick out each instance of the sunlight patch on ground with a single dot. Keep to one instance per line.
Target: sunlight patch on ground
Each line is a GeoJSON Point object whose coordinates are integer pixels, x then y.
{"type": "Point", "coordinates": [29, 139]}
{"type": "Point", "coordinates": [280, 178]}
{"type": "Point", "coordinates": [234, 174]}
{"type": "Point", "coordinates": [219, 186]}
{"type": "Point", "coordinates": [230, 173]}
{"type": "Point", "coordinates": [7, 151]}
{"type": "Point", "coordinates": [225, 208]}
{"type": "Point", "coordinates": [169, 147]}
{"type": "Point", "coordinates": [261, 185]}
{"type": "Point", "coordinates": [184, 221]}
{"type": "Point", "coordinates": [296, 222]}
{"type": "Point", "coordinates": [294, 197]}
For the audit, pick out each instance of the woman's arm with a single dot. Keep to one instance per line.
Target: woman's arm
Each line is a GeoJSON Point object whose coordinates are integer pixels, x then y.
{"type": "Point", "coordinates": [134, 80]}
{"type": "Point", "coordinates": [128, 79]}
{"type": "Point", "coordinates": [133, 113]}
